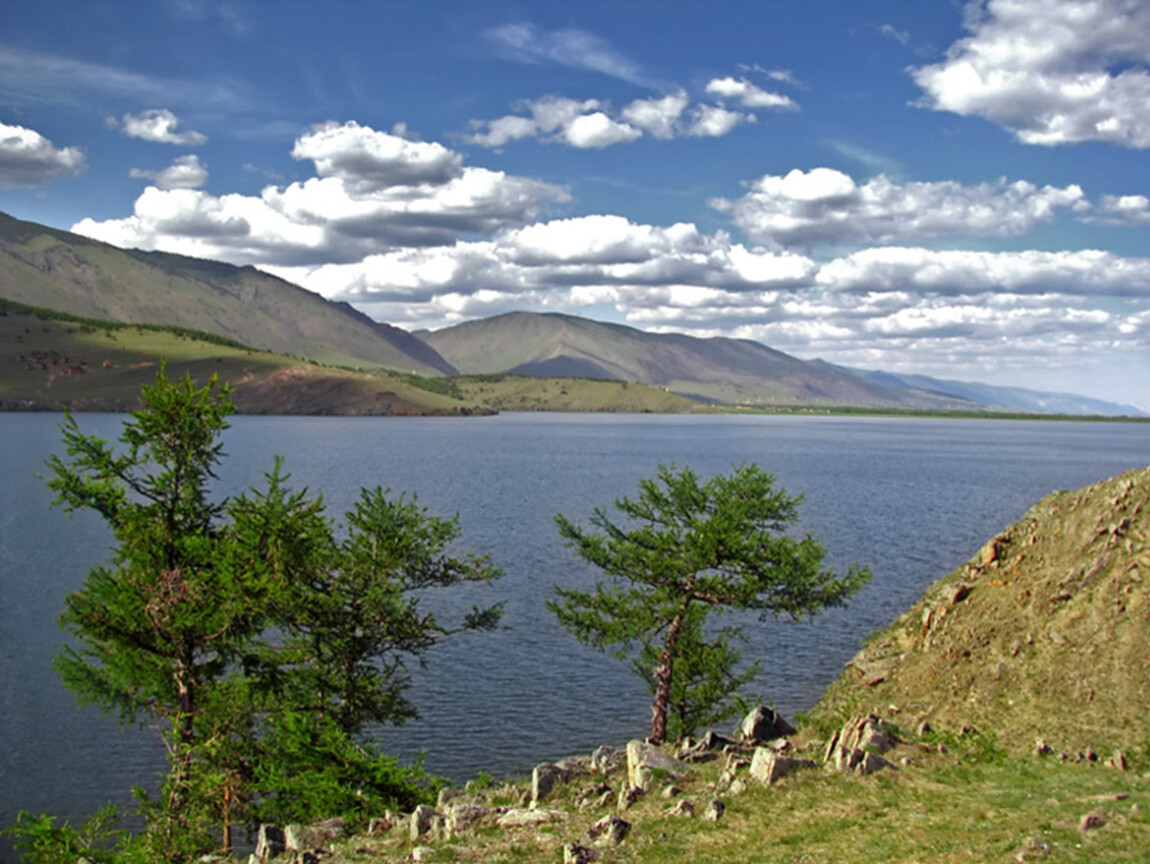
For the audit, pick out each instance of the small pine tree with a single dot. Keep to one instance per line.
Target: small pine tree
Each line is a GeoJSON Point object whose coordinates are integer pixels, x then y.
{"type": "Point", "coordinates": [684, 549]}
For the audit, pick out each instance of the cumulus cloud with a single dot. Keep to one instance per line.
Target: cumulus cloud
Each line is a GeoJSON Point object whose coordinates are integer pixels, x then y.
{"type": "Point", "coordinates": [1051, 73]}
{"type": "Point", "coordinates": [158, 125]}
{"type": "Point", "coordinates": [374, 191]}
{"type": "Point", "coordinates": [658, 117]}
{"type": "Point", "coordinates": [1124, 210]}
{"type": "Point", "coordinates": [750, 95]}
{"type": "Point", "coordinates": [185, 172]}
{"type": "Point", "coordinates": [27, 158]}
{"type": "Point", "coordinates": [596, 123]}
{"type": "Point", "coordinates": [370, 160]}
{"type": "Point", "coordinates": [825, 206]}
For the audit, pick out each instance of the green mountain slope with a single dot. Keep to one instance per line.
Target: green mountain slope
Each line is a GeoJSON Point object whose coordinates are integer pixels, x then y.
{"type": "Point", "coordinates": [52, 269]}
{"type": "Point", "coordinates": [717, 369]}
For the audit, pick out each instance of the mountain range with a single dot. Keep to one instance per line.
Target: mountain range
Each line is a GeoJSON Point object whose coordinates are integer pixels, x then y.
{"type": "Point", "coordinates": [48, 268]}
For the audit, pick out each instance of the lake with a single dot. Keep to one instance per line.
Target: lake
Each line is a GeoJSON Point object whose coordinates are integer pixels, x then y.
{"type": "Point", "coordinates": [913, 498]}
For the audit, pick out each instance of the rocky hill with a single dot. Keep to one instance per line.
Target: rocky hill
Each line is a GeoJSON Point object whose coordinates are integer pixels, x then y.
{"type": "Point", "coordinates": [1042, 636]}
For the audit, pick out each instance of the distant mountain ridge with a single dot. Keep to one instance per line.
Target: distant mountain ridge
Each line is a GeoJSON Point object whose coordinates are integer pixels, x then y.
{"type": "Point", "coordinates": [48, 268]}
{"type": "Point", "coordinates": [717, 369]}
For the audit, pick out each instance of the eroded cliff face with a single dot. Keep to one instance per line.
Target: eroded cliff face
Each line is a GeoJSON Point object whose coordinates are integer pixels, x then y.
{"type": "Point", "coordinates": [1044, 634]}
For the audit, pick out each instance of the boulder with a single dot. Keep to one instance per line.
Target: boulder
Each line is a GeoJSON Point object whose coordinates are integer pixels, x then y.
{"type": "Point", "coordinates": [767, 766]}
{"type": "Point", "coordinates": [575, 853]}
{"type": "Point", "coordinates": [762, 725]}
{"type": "Point", "coordinates": [608, 831]}
{"type": "Point", "coordinates": [269, 842]}
{"type": "Point", "coordinates": [460, 817]}
{"type": "Point", "coordinates": [424, 820]}
{"type": "Point", "coordinates": [646, 763]}
{"type": "Point", "coordinates": [305, 838]}
{"type": "Point", "coordinates": [520, 818]}
{"type": "Point", "coordinates": [544, 778]}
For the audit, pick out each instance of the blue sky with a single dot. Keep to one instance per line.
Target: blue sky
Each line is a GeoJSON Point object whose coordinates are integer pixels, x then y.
{"type": "Point", "coordinates": [956, 189]}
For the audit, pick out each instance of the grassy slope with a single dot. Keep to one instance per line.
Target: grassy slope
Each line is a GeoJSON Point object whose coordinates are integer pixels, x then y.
{"type": "Point", "coordinates": [722, 370]}
{"type": "Point", "coordinates": [36, 354]}
{"type": "Point", "coordinates": [36, 351]}
{"type": "Point", "coordinates": [53, 269]}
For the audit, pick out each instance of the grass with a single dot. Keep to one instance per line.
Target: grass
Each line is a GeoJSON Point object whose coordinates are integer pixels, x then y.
{"type": "Point", "coordinates": [970, 803]}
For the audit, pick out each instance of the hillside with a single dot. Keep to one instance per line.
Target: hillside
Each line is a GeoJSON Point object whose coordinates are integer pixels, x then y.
{"type": "Point", "coordinates": [49, 360]}
{"type": "Point", "coordinates": [47, 268]}
{"type": "Point", "coordinates": [1042, 635]}
{"type": "Point", "coordinates": [711, 370]}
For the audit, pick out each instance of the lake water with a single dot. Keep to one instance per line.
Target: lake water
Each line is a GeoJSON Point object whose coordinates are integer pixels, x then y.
{"type": "Point", "coordinates": [913, 498]}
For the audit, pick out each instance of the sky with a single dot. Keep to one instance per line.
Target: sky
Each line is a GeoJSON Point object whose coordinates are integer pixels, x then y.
{"type": "Point", "coordinates": [957, 189]}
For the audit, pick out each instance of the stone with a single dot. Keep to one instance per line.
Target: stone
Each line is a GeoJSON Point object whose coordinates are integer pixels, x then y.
{"type": "Point", "coordinates": [303, 838]}
{"type": "Point", "coordinates": [1096, 818]}
{"type": "Point", "coordinates": [460, 817]}
{"type": "Point", "coordinates": [646, 763]}
{"type": "Point", "coordinates": [422, 853]}
{"type": "Point", "coordinates": [714, 811]}
{"type": "Point", "coordinates": [767, 766]}
{"type": "Point", "coordinates": [628, 795]}
{"type": "Point", "coordinates": [536, 816]}
{"type": "Point", "coordinates": [682, 808]}
{"type": "Point", "coordinates": [269, 842]}
{"type": "Point", "coordinates": [608, 831]}
{"type": "Point", "coordinates": [578, 854]}
{"type": "Point", "coordinates": [606, 759]}
{"type": "Point", "coordinates": [424, 820]}
{"type": "Point", "coordinates": [545, 778]}
{"type": "Point", "coordinates": [763, 724]}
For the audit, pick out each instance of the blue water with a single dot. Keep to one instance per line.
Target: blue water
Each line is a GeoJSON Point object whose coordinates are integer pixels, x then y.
{"type": "Point", "coordinates": [913, 498]}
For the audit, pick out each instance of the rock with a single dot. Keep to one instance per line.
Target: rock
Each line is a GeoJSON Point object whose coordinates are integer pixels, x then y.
{"type": "Point", "coordinates": [608, 831]}
{"type": "Point", "coordinates": [269, 842]}
{"type": "Point", "coordinates": [767, 766]}
{"type": "Point", "coordinates": [422, 853]}
{"type": "Point", "coordinates": [714, 811]}
{"type": "Point", "coordinates": [682, 808]}
{"type": "Point", "coordinates": [460, 817]}
{"type": "Point", "coordinates": [303, 838]}
{"type": "Point", "coordinates": [628, 795]}
{"type": "Point", "coordinates": [382, 824]}
{"type": "Point", "coordinates": [520, 818]}
{"type": "Point", "coordinates": [577, 854]}
{"type": "Point", "coordinates": [762, 725]}
{"type": "Point", "coordinates": [1033, 849]}
{"type": "Point", "coordinates": [645, 762]}
{"type": "Point", "coordinates": [872, 762]}
{"type": "Point", "coordinates": [544, 778]}
{"type": "Point", "coordinates": [424, 820]}
{"type": "Point", "coordinates": [606, 759]}
{"type": "Point", "coordinates": [1096, 818]}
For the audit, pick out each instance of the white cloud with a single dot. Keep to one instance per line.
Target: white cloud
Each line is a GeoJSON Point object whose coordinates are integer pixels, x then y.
{"type": "Point", "coordinates": [597, 131]}
{"type": "Point", "coordinates": [1124, 210]}
{"type": "Point", "coordinates": [750, 95]}
{"type": "Point", "coordinates": [658, 117]}
{"type": "Point", "coordinates": [374, 192]}
{"type": "Point", "coordinates": [185, 172]}
{"type": "Point", "coordinates": [713, 121]}
{"type": "Point", "coordinates": [1050, 72]}
{"type": "Point", "coordinates": [825, 206]}
{"type": "Point", "coordinates": [572, 47]}
{"type": "Point", "coordinates": [372, 160]}
{"type": "Point", "coordinates": [159, 125]}
{"type": "Point", "coordinates": [27, 158]}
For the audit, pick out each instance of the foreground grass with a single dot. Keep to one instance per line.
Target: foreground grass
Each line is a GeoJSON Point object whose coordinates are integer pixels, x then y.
{"type": "Point", "coordinates": [964, 802]}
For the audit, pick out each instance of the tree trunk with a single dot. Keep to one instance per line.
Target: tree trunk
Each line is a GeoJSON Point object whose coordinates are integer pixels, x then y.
{"type": "Point", "coordinates": [664, 674]}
